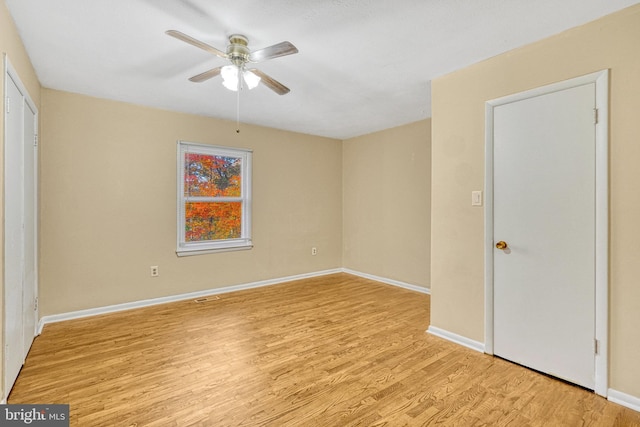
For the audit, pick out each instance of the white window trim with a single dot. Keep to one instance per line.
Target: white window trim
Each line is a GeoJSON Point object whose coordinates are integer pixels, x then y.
{"type": "Point", "coordinates": [198, 248]}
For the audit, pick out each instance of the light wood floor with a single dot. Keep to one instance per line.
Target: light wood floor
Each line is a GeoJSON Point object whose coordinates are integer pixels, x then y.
{"type": "Point", "coordinates": [331, 351]}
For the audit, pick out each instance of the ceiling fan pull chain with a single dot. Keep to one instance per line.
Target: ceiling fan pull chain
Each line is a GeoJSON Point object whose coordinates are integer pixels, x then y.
{"type": "Point", "coordinates": [238, 103]}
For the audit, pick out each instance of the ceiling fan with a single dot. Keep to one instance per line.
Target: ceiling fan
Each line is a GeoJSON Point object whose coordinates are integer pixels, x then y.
{"type": "Point", "coordinates": [239, 54]}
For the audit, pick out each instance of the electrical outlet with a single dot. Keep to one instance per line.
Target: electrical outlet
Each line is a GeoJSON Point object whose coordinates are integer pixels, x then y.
{"type": "Point", "coordinates": [314, 251]}
{"type": "Point", "coordinates": [154, 271]}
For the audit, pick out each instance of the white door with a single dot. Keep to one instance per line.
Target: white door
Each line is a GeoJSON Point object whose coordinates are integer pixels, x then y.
{"type": "Point", "coordinates": [20, 227]}
{"type": "Point", "coordinates": [544, 155]}
{"type": "Point", "coordinates": [13, 234]}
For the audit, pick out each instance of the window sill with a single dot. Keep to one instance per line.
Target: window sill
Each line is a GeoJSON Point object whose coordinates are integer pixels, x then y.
{"type": "Point", "coordinates": [203, 251]}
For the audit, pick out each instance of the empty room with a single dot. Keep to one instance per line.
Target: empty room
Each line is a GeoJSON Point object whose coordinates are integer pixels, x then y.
{"type": "Point", "coordinates": [320, 213]}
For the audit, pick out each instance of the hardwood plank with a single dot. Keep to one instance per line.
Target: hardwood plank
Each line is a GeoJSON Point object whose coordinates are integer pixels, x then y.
{"type": "Point", "coordinates": [336, 350]}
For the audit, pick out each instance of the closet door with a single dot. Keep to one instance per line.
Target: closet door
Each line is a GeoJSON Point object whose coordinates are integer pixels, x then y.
{"type": "Point", "coordinates": [20, 226]}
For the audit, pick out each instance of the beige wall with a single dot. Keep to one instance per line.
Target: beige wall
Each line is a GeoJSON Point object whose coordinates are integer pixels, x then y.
{"type": "Point", "coordinates": [108, 209]}
{"type": "Point", "coordinates": [386, 203]}
{"type": "Point", "coordinates": [11, 45]}
{"type": "Point", "coordinates": [458, 163]}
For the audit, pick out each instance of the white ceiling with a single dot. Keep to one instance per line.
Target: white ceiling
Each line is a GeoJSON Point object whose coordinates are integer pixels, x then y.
{"type": "Point", "coordinates": [363, 66]}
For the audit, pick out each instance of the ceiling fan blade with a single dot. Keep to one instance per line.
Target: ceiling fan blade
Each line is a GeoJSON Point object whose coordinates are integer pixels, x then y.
{"type": "Point", "coordinates": [280, 49]}
{"type": "Point", "coordinates": [271, 83]}
{"type": "Point", "coordinates": [206, 75]}
{"type": "Point", "coordinates": [196, 43]}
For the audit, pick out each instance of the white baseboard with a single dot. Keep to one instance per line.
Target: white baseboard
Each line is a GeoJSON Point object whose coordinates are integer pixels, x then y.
{"type": "Point", "coordinates": [624, 399]}
{"type": "Point", "coordinates": [3, 401]}
{"type": "Point", "coordinates": [173, 298]}
{"type": "Point", "coordinates": [455, 338]}
{"type": "Point", "coordinates": [389, 281]}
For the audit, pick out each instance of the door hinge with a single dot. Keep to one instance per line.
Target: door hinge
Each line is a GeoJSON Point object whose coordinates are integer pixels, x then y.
{"type": "Point", "coordinates": [35, 304]}
{"type": "Point", "coordinates": [8, 104]}
{"type": "Point", "coordinates": [35, 140]}
{"type": "Point", "coordinates": [596, 346]}
{"type": "Point", "coordinates": [595, 116]}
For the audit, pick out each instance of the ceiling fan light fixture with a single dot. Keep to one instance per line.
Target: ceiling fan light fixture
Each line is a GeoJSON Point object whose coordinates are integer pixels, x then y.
{"type": "Point", "coordinates": [250, 79]}
{"type": "Point", "coordinates": [229, 75]}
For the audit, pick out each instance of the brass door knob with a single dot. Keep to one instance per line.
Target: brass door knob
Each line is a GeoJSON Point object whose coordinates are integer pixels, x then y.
{"type": "Point", "coordinates": [501, 245]}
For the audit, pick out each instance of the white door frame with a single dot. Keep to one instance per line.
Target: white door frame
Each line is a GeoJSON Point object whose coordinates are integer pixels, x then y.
{"type": "Point", "coordinates": [601, 80]}
{"type": "Point", "coordinates": [11, 73]}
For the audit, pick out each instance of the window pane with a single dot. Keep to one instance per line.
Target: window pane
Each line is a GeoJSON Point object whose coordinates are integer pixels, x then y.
{"type": "Point", "coordinates": [212, 221]}
{"type": "Point", "coordinates": [212, 176]}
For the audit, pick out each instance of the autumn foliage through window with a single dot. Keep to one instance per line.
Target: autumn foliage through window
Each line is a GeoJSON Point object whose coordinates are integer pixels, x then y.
{"type": "Point", "coordinates": [212, 176]}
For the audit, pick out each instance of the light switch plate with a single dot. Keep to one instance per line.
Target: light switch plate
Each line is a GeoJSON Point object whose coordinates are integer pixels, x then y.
{"type": "Point", "coordinates": [476, 198]}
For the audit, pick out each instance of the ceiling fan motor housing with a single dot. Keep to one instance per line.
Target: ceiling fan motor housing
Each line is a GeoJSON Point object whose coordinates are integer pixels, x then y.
{"type": "Point", "coordinates": [237, 51]}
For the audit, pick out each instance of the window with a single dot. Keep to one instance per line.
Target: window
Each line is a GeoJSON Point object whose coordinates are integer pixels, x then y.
{"type": "Point", "coordinates": [214, 199]}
